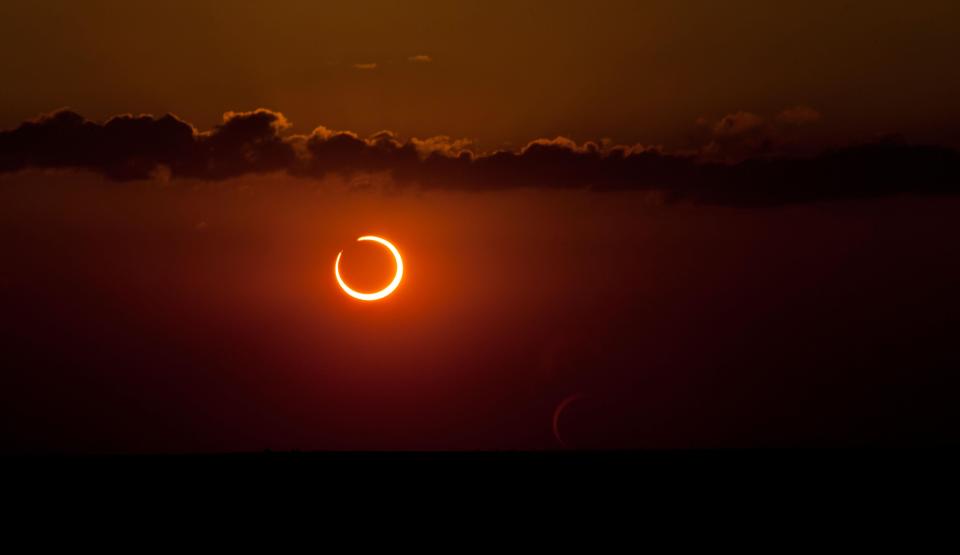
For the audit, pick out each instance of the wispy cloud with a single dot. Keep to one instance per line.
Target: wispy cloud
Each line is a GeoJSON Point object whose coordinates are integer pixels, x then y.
{"type": "Point", "coordinates": [420, 59]}
{"type": "Point", "coordinates": [365, 66]}
{"type": "Point", "coordinates": [798, 115]}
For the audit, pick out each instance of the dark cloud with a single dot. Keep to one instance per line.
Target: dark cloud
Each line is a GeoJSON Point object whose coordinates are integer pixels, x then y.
{"type": "Point", "coordinates": [130, 147]}
{"type": "Point", "coordinates": [137, 147]}
{"type": "Point", "coordinates": [246, 142]}
{"type": "Point", "coordinates": [739, 136]}
{"type": "Point", "coordinates": [125, 147]}
{"type": "Point", "coordinates": [744, 135]}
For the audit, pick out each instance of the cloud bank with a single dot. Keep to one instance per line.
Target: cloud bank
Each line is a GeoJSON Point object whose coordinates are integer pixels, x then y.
{"type": "Point", "coordinates": [128, 147]}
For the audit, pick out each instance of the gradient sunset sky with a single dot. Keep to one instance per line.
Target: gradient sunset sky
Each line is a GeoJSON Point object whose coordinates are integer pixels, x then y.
{"type": "Point", "coordinates": [497, 73]}
{"type": "Point", "coordinates": [623, 224]}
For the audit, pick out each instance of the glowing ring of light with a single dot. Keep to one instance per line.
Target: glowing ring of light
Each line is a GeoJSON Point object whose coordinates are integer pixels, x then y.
{"type": "Point", "coordinates": [378, 294]}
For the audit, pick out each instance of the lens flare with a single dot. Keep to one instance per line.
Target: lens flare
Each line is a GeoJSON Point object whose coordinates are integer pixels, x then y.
{"type": "Point", "coordinates": [556, 416]}
{"type": "Point", "coordinates": [375, 296]}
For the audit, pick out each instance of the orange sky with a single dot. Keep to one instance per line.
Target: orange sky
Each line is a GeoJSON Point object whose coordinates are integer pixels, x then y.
{"type": "Point", "coordinates": [198, 317]}
{"type": "Point", "coordinates": [496, 72]}
{"type": "Point", "coordinates": [169, 284]}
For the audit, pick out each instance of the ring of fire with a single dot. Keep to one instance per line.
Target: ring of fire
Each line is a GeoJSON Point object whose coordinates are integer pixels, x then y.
{"type": "Point", "coordinates": [377, 295]}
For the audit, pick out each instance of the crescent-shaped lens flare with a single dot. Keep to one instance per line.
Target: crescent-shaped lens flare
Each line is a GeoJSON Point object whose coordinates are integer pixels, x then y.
{"type": "Point", "coordinates": [378, 294]}
{"type": "Point", "coordinates": [556, 416]}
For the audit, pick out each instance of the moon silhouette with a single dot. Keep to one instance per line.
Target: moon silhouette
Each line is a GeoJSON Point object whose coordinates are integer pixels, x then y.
{"type": "Point", "coordinates": [556, 416]}
{"type": "Point", "coordinates": [377, 295]}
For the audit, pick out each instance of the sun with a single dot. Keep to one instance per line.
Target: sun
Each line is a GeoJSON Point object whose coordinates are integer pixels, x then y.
{"type": "Point", "coordinates": [377, 295]}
